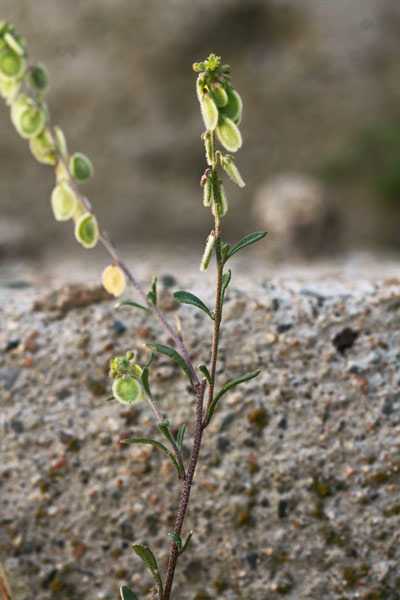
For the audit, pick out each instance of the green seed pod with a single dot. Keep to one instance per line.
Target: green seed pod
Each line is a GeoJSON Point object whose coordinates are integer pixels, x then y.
{"type": "Point", "coordinates": [208, 148]}
{"type": "Point", "coordinates": [223, 202]}
{"type": "Point", "coordinates": [209, 112]}
{"type": "Point", "coordinates": [43, 149]}
{"type": "Point", "coordinates": [61, 142]}
{"type": "Point", "coordinates": [127, 390]}
{"type": "Point", "coordinates": [205, 261]}
{"type": "Point", "coordinates": [80, 167]}
{"type": "Point", "coordinates": [86, 230]}
{"type": "Point", "coordinates": [39, 78]}
{"type": "Point", "coordinates": [114, 282]}
{"type": "Point", "coordinates": [219, 94]}
{"type": "Point", "coordinates": [12, 65]}
{"type": "Point", "coordinates": [229, 134]}
{"type": "Point", "coordinates": [129, 355]}
{"type": "Point", "coordinates": [233, 108]}
{"type": "Point", "coordinates": [64, 202]}
{"type": "Point", "coordinates": [9, 90]}
{"type": "Point", "coordinates": [232, 170]}
{"type": "Point", "coordinates": [207, 193]}
{"type": "Point", "coordinates": [200, 87]}
{"type": "Point", "coordinates": [30, 121]}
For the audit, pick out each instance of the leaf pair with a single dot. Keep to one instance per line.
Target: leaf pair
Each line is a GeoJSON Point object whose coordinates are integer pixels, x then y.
{"type": "Point", "coordinates": [178, 541]}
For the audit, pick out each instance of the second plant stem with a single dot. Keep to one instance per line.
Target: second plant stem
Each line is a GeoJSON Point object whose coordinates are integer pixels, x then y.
{"type": "Point", "coordinates": [200, 423]}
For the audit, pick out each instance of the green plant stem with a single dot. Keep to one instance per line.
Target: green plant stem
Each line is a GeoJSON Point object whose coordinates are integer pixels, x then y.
{"type": "Point", "coordinates": [220, 267]}
{"type": "Point", "coordinates": [200, 424]}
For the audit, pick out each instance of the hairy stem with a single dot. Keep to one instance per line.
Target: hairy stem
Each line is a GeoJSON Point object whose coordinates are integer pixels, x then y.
{"type": "Point", "coordinates": [186, 488]}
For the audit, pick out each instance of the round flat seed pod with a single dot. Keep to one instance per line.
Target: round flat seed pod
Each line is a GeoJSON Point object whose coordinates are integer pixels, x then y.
{"type": "Point", "coordinates": [86, 230]}
{"type": "Point", "coordinates": [127, 390]}
{"type": "Point", "coordinates": [64, 202]}
{"type": "Point", "coordinates": [113, 280]}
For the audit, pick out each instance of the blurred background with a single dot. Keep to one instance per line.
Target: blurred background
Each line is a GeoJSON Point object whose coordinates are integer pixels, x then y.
{"type": "Point", "coordinates": [321, 125]}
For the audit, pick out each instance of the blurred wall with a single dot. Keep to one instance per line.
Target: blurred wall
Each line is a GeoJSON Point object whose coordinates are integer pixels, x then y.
{"type": "Point", "coordinates": [313, 74]}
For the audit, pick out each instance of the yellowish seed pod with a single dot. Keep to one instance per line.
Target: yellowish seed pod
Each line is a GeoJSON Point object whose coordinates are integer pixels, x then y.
{"type": "Point", "coordinates": [61, 142]}
{"type": "Point", "coordinates": [43, 149]}
{"type": "Point", "coordinates": [30, 121]}
{"type": "Point", "coordinates": [86, 230]}
{"type": "Point", "coordinates": [229, 134]}
{"type": "Point", "coordinates": [127, 390]}
{"type": "Point", "coordinates": [64, 202]}
{"type": "Point", "coordinates": [209, 112]}
{"type": "Point", "coordinates": [113, 280]}
{"type": "Point", "coordinates": [9, 90]}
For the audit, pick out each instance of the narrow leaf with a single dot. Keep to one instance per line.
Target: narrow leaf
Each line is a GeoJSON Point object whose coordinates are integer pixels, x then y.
{"type": "Point", "coordinates": [152, 295]}
{"type": "Point", "coordinates": [156, 445]}
{"type": "Point", "coordinates": [150, 360]}
{"type": "Point", "coordinates": [186, 544]}
{"type": "Point", "coordinates": [135, 304]}
{"type": "Point", "coordinates": [127, 594]}
{"type": "Point", "coordinates": [246, 241]}
{"type": "Point", "coordinates": [149, 559]}
{"type": "Point", "coordinates": [180, 436]}
{"type": "Point", "coordinates": [226, 388]}
{"type": "Point", "coordinates": [145, 381]}
{"type": "Point", "coordinates": [177, 540]}
{"type": "Point", "coordinates": [164, 428]}
{"type": "Point", "coordinates": [205, 372]}
{"type": "Point", "coordinates": [110, 399]}
{"type": "Point", "coordinates": [226, 278]}
{"type": "Point", "coordinates": [189, 298]}
{"type": "Point", "coordinates": [168, 351]}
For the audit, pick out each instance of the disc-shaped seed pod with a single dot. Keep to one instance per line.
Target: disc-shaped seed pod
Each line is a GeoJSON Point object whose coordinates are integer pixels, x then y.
{"type": "Point", "coordinates": [233, 108]}
{"type": "Point", "coordinates": [9, 90]}
{"type": "Point", "coordinates": [64, 202]}
{"type": "Point", "coordinates": [12, 65]}
{"type": "Point", "coordinates": [43, 149]}
{"type": "Point", "coordinates": [229, 134]}
{"type": "Point", "coordinates": [80, 166]}
{"type": "Point", "coordinates": [219, 94]}
{"type": "Point", "coordinates": [61, 142]}
{"type": "Point", "coordinates": [232, 170]}
{"type": "Point", "coordinates": [127, 390]}
{"type": "Point", "coordinates": [209, 112]}
{"type": "Point", "coordinates": [113, 280]}
{"type": "Point", "coordinates": [30, 121]}
{"type": "Point", "coordinates": [39, 78]}
{"type": "Point", "coordinates": [86, 230]}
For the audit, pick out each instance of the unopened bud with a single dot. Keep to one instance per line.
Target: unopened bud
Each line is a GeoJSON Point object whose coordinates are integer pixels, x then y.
{"type": "Point", "coordinates": [205, 261]}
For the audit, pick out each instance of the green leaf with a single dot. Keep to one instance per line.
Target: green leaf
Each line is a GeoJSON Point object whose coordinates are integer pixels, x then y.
{"type": "Point", "coordinates": [226, 388]}
{"type": "Point", "coordinates": [246, 241]}
{"type": "Point", "coordinates": [149, 559]}
{"type": "Point", "coordinates": [177, 539]}
{"type": "Point", "coordinates": [135, 304]}
{"type": "Point", "coordinates": [156, 445]}
{"type": "Point", "coordinates": [110, 399]}
{"type": "Point", "coordinates": [180, 436]}
{"type": "Point", "coordinates": [168, 351]}
{"type": "Point", "coordinates": [164, 428]}
{"type": "Point", "coordinates": [145, 381]}
{"type": "Point", "coordinates": [152, 295]}
{"type": "Point", "coordinates": [127, 594]}
{"type": "Point", "coordinates": [189, 298]}
{"type": "Point", "coordinates": [205, 372]}
{"type": "Point", "coordinates": [186, 544]}
{"type": "Point", "coordinates": [226, 277]}
{"type": "Point", "coordinates": [150, 360]}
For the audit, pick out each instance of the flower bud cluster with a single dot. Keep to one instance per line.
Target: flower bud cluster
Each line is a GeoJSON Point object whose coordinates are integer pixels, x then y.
{"type": "Point", "coordinates": [221, 105]}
